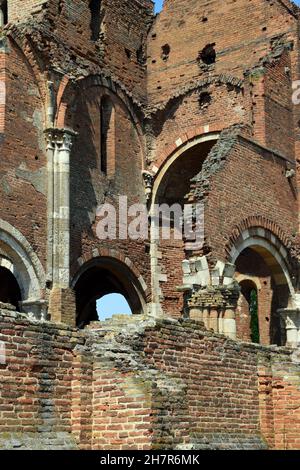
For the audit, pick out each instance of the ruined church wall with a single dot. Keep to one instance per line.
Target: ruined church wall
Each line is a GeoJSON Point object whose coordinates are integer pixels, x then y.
{"type": "Point", "coordinates": [120, 50]}
{"type": "Point", "coordinates": [91, 187]}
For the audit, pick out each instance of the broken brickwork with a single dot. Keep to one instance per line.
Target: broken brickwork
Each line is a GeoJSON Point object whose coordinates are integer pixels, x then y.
{"type": "Point", "coordinates": [126, 384]}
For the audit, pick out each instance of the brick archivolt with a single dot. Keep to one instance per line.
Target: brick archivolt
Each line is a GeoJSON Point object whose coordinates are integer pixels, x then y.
{"type": "Point", "coordinates": [17, 255]}
{"type": "Point", "coordinates": [263, 240]}
{"type": "Point", "coordinates": [84, 262]}
{"type": "Point", "coordinates": [253, 223]}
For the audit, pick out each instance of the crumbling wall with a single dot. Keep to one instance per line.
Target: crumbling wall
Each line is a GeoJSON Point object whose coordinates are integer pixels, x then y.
{"type": "Point", "coordinates": [208, 38]}
{"type": "Point", "coordinates": [62, 32]}
{"type": "Point", "coordinates": [213, 105]}
{"type": "Point", "coordinates": [240, 180]}
{"type": "Point", "coordinates": [138, 383]}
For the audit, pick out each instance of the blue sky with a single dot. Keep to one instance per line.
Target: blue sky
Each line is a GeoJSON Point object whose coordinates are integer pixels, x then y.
{"type": "Point", "coordinates": [112, 304]}
{"type": "Point", "coordinates": [158, 5]}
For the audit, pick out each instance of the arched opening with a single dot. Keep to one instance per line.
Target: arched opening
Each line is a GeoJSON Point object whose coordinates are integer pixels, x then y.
{"type": "Point", "coordinates": [105, 277]}
{"type": "Point", "coordinates": [95, 25]}
{"type": "Point", "coordinates": [107, 136]}
{"type": "Point", "coordinates": [10, 292]}
{"type": "Point", "coordinates": [257, 263]}
{"type": "Point", "coordinates": [3, 13]}
{"type": "Point", "coordinates": [112, 304]}
{"type": "Point", "coordinates": [247, 321]}
{"type": "Point", "coordinates": [171, 188]}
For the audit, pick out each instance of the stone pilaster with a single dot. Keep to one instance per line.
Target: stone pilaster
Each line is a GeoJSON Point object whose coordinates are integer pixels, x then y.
{"type": "Point", "coordinates": [291, 321]}
{"type": "Point", "coordinates": [2, 16]}
{"type": "Point", "coordinates": [59, 145]}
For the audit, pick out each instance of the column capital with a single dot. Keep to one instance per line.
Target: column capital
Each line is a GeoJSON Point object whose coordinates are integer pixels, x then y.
{"type": "Point", "coordinates": [61, 139]}
{"type": "Point", "coordinates": [291, 320]}
{"type": "Point", "coordinates": [148, 179]}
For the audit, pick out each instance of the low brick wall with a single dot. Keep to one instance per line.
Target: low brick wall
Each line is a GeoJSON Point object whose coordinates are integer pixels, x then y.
{"type": "Point", "coordinates": [140, 383]}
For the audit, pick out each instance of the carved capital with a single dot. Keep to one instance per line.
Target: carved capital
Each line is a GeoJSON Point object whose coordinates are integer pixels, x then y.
{"type": "Point", "coordinates": [291, 318]}
{"type": "Point", "coordinates": [148, 179]}
{"type": "Point", "coordinates": [60, 139]}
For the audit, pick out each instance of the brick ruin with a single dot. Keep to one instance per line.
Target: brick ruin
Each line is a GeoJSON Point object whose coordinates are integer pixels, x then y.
{"type": "Point", "coordinates": [101, 99]}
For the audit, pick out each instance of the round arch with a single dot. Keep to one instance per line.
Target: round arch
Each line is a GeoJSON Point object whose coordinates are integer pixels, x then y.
{"type": "Point", "coordinates": [259, 255]}
{"type": "Point", "coordinates": [67, 95]}
{"type": "Point", "coordinates": [182, 149]}
{"type": "Point", "coordinates": [260, 240]}
{"type": "Point", "coordinates": [101, 276]}
{"type": "Point", "coordinates": [17, 255]}
{"type": "Point", "coordinates": [168, 188]}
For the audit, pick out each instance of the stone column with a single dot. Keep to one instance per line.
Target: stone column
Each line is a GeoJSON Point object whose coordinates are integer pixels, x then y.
{"type": "Point", "coordinates": [59, 145]}
{"type": "Point", "coordinates": [229, 322]}
{"type": "Point", "coordinates": [291, 321]}
{"type": "Point", "coordinates": [50, 148]}
{"type": "Point", "coordinates": [2, 13]}
{"type": "Point", "coordinates": [216, 307]}
{"type": "Point", "coordinates": [214, 318]}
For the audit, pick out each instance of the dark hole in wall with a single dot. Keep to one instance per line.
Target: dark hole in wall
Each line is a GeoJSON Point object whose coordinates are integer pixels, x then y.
{"type": "Point", "coordinates": [95, 25]}
{"type": "Point", "coordinates": [128, 53]}
{"type": "Point", "coordinates": [208, 55]}
{"type": "Point", "coordinates": [60, 6]}
{"type": "Point", "coordinates": [10, 292]}
{"type": "Point", "coordinates": [140, 56]}
{"type": "Point", "coordinates": [205, 99]}
{"type": "Point", "coordinates": [165, 52]}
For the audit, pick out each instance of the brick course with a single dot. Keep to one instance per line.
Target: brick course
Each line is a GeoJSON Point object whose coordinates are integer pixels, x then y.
{"type": "Point", "coordinates": [144, 391]}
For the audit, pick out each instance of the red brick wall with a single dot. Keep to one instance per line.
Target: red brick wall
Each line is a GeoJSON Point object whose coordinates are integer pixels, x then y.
{"type": "Point", "coordinates": [258, 180]}
{"type": "Point", "coordinates": [174, 384]}
{"type": "Point", "coordinates": [67, 27]}
{"type": "Point", "coordinates": [278, 107]}
{"type": "Point", "coordinates": [279, 398]}
{"type": "Point", "coordinates": [23, 159]}
{"type": "Point", "coordinates": [241, 31]}
{"type": "Point", "coordinates": [90, 187]}
{"type": "Point", "coordinates": [22, 9]}
{"type": "Point", "coordinates": [185, 117]}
